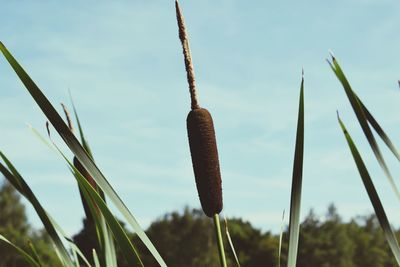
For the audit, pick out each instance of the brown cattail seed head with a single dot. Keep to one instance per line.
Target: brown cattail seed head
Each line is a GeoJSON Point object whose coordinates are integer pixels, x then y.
{"type": "Point", "coordinates": [203, 148]}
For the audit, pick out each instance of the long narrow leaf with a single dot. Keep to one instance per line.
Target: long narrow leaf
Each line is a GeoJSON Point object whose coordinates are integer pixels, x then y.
{"type": "Point", "coordinates": [280, 239]}
{"type": "Point", "coordinates": [295, 200]}
{"type": "Point", "coordinates": [74, 247]}
{"type": "Point", "coordinates": [79, 151]}
{"type": "Point", "coordinates": [108, 242]}
{"type": "Point", "coordinates": [84, 141]}
{"type": "Point", "coordinates": [75, 257]}
{"type": "Point", "coordinates": [94, 200]}
{"type": "Point", "coordinates": [101, 227]}
{"type": "Point", "coordinates": [108, 254]}
{"type": "Point", "coordinates": [35, 255]}
{"type": "Point", "coordinates": [123, 240]}
{"type": "Point", "coordinates": [361, 117]}
{"type": "Point", "coordinates": [374, 123]}
{"type": "Point", "coordinates": [20, 251]}
{"type": "Point", "coordinates": [373, 195]}
{"type": "Point", "coordinates": [85, 144]}
{"type": "Point", "coordinates": [15, 178]}
{"type": "Point", "coordinates": [111, 246]}
{"type": "Point", "coordinates": [231, 242]}
{"type": "Point", "coordinates": [96, 259]}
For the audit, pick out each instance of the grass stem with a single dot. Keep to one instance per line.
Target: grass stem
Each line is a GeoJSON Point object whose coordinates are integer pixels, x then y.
{"type": "Point", "coordinates": [219, 241]}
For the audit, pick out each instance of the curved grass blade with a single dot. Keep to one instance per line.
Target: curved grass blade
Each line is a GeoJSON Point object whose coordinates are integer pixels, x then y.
{"type": "Point", "coordinates": [361, 117]}
{"type": "Point", "coordinates": [280, 239]}
{"type": "Point", "coordinates": [94, 200]}
{"type": "Point", "coordinates": [374, 123]}
{"type": "Point", "coordinates": [101, 227]}
{"type": "Point", "coordinates": [20, 251]}
{"type": "Point", "coordinates": [35, 255]}
{"type": "Point", "coordinates": [120, 235]}
{"type": "Point", "coordinates": [230, 242]}
{"type": "Point", "coordinates": [96, 259]}
{"type": "Point", "coordinates": [108, 242]}
{"type": "Point", "coordinates": [78, 252]}
{"type": "Point", "coordinates": [112, 255]}
{"type": "Point", "coordinates": [373, 195]}
{"type": "Point", "coordinates": [74, 247]}
{"type": "Point", "coordinates": [99, 222]}
{"type": "Point", "coordinates": [77, 149]}
{"type": "Point", "coordinates": [15, 178]}
{"type": "Point", "coordinates": [75, 256]}
{"type": "Point", "coordinates": [85, 144]}
{"type": "Point", "coordinates": [295, 200]}
{"type": "Point", "coordinates": [115, 227]}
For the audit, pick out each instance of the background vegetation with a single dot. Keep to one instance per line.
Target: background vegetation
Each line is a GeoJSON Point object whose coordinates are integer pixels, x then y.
{"type": "Point", "coordinates": [326, 241]}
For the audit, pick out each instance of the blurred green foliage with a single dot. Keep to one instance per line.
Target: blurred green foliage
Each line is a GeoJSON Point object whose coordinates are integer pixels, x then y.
{"type": "Point", "coordinates": [14, 226]}
{"type": "Point", "coordinates": [187, 239]}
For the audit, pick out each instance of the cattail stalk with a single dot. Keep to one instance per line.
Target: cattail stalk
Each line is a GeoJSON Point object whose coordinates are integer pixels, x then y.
{"type": "Point", "coordinates": [203, 145]}
{"type": "Point", "coordinates": [220, 242]}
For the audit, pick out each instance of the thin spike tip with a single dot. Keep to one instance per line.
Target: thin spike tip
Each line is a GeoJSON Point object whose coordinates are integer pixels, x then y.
{"type": "Point", "coordinates": [68, 116]}
{"type": "Point", "coordinates": [183, 36]}
{"type": "Point", "coordinates": [332, 55]}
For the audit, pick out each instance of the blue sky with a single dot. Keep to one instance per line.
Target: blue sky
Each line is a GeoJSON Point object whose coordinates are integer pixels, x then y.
{"type": "Point", "coordinates": [124, 65]}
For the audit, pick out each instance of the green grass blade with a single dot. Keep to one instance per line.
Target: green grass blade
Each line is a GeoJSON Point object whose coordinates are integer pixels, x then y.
{"type": "Point", "coordinates": [96, 259]}
{"type": "Point", "coordinates": [120, 235]}
{"type": "Point", "coordinates": [35, 255]}
{"type": "Point", "coordinates": [231, 242]}
{"type": "Point", "coordinates": [94, 200]}
{"type": "Point", "coordinates": [295, 200]}
{"type": "Point", "coordinates": [20, 251]}
{"type": "Point", "coordinates": [74, 247]}
{"type": "Point", "coordinates": [108, 252]}
{"type": "Point", "coordinates": [108, 242]}
{"type": "Point", "coordinates": [106, 216]}
{"type": "Point", "coordinates": [108, 257]}
{"type": "Point", "coordinates": [361, 117]}
{"type": "Point", "coordinates": [77, 149]}
{"type": "Point", "coordinates": [85, 144]}
{"type": "Point", "coordinates": [374, 123]}
{"type": "Point", "coordinates": [75, 256]}
{"type": "Point", "coordinates": [84, 141]}
{"type": "Point", "coordinates": [280, 239]}
{"type": "Point", "coordinates": [111, 248]}
{"type": "Point", "coordinates": [78, 252]}
{"type": "Point", "coordinates": [373, 195]}
{"type": "Point", "coordinates": [15, 178]}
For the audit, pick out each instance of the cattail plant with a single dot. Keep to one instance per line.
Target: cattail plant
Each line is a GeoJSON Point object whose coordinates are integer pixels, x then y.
{"type": "Point", "coordinates": [203, 145]}
{"type": "Point", "coordinates": [81, 169]}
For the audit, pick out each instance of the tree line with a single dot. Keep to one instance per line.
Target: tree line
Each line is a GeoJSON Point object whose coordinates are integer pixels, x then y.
{"type": "Point", "coordinates": [187, 239]}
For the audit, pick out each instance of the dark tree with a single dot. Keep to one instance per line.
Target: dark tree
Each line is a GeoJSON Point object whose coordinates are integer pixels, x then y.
{"type": "Point", "coordinates": [14, 226]}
